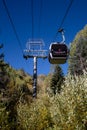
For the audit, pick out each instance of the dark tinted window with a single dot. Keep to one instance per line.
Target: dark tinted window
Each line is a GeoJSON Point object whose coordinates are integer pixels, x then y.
{"type": "Point", "coordinates": [59, 50]}
{"type": "Point", "coordinates": [59, 47]}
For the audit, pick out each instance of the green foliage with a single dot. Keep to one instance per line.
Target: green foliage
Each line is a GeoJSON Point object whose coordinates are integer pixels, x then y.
{"type": "Point", "coordinates": [14, 86]}
{"type": "Point", "coordinates": [57, 79]}
{"type": "Point", "coordinates": [3, 65]}
{"type": "Point", "coordinates": [36, 116]}
{"type": "Point", "coordinates": [3, 118]}
{"type": "Point", "coordinates": [64, 111]}
{"type": "Point", "coordinates": [69, 109]}
{"type": "Point", "coordinates": [5, 124]}
{"type": "Point", "coordinates": [1, 54]}
{"type": "Point", "coordinates": [78, 53]}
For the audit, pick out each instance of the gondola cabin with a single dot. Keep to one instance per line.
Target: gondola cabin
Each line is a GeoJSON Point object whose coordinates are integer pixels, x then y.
{"type": "Point", "coordinates": [58, 53]}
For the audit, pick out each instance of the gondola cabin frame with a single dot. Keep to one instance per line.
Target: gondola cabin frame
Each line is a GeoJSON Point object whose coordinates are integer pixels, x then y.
{"type": "Point", "coordinates": [58, 53]}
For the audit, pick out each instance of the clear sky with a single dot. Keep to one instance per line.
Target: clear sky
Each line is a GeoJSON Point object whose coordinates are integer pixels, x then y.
{"type": "Point", "coordinates": [47, 17]}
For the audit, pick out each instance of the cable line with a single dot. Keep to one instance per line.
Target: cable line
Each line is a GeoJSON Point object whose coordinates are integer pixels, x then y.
{"type": "Point", "coordinates": [40, 16]}
{"type": "Point", "coordinates": [65, 15]}
{"type": "Point", "coordinates": [13, 26]}
{"type": "Point", "coordinates": [32, 14]}
{"type": "Point", "coordinates": [39, 10]}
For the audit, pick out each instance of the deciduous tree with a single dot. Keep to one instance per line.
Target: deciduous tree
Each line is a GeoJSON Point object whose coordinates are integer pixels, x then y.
{"type": "Point", "coordinates": [78, 53]}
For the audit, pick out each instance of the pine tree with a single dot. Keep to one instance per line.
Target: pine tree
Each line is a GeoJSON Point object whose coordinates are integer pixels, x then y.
{"type": "Point", "coordinates": [1, 67]}
{"type": "Point", "coordinates": [57, 79]}
{"type": "Point", "coordinates": [1, 55]}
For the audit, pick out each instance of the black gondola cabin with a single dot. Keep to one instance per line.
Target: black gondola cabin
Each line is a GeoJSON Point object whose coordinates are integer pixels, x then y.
{"type": "Point", "coordinates": [58, 53]}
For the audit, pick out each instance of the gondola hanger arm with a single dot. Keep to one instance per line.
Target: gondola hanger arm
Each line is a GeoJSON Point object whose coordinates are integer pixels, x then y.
{"type": "Point", "coordinates": [63, 36]}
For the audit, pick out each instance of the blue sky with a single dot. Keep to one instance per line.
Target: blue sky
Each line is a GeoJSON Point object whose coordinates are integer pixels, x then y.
{"type": "Point", "coordinates": [47, 19]}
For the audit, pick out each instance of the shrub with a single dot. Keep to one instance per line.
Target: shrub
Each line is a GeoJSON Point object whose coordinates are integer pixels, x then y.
{"type": "Point", "coordinates": [66, 110]}
{"type": "Point", "coordinates": [35, 117]}
{"type": "Point", "coordinates": [3, 118]}
{"type": "Point", "coordinates": [69, 108]}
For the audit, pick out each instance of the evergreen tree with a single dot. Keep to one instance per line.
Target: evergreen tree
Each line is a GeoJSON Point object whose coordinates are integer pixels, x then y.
{"type": "Point", "coordinates": [1, 55]}
{"type": "Point", "coordinates": [1, 67]}
{"type": "Point", "coordinates": [3, 77]}
{"type": "Point", "coordinates": [57, 79]}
